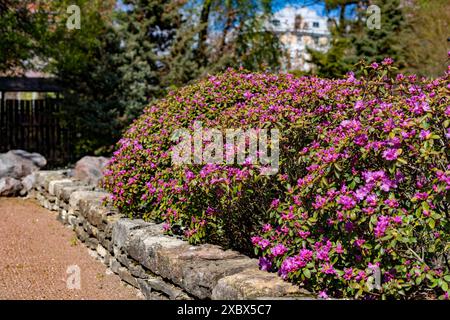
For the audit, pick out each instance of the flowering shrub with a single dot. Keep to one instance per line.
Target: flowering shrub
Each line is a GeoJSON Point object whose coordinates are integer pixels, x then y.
{"type": "Point", "coordinates": [360, 205]}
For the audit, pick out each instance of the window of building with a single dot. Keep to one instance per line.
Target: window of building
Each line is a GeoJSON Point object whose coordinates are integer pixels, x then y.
{"type": "Point", "coordinates": [276, 22]}
{"type": "Point", "coordinates": [298, 22]}
{"type": "Point", "coordinates": [315, 24]}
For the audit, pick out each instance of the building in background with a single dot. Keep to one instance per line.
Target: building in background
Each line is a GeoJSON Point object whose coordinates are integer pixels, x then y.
{"type": "Point", "coordinates": [299, 29]}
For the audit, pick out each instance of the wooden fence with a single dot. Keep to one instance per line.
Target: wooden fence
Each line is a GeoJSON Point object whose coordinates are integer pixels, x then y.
{"type": "Point", "coordinates": [34, 126]}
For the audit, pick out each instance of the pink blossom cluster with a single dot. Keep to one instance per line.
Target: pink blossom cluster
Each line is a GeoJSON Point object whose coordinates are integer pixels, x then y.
{"type": "Point", "coordinates": [364, 177]}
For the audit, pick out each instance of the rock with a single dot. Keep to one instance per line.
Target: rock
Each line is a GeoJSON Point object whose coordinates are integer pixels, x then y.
{"type": "Point", "coordinates": [149, 286]}
{"type": "Point", "coordinates": [253, 284]}
{"type": "Point", "coordinates": [18, 164]}
{"type": "Point", "coordinates": [81, 234]}
{"type": "Point", "coordinates": [126, 276]}
{"type": "Point", "coordinates": [137, 270]}
{"type": "Point", "coordinates": [9, 187]}
{"type": "Point", "coordinates": [101, 251]}
{"type": "Point", "coordinates": [149, 293]}
{"type": "Point", "coordinates": [43, 178]}
{"type": "Point", "coordinates": [65, 192]}
{"type": "Point", "coordinates": [27, 184]}
{"type": "Point", "coordinates": [78, 196]}
{"type": "Point", "coordinates": [195, 269]}
{"type": "Point", "coordinates": [55, 185]}
{"type": "Point", "coordinates": [73, 220]}
{"type": "Point", "coordinates": [95, 212]}
{"type": "Point", "coordinates": [92, 243]}
{"type": "Point", "coordinates": [114, 265]}
{"type": "Point", "coordinates": [90, 169]}
{"type": "Point", "coordinates": [123, 228]}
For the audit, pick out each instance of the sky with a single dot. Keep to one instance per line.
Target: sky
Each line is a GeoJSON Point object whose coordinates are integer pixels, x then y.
{"type": "Point", "coordinates": [280, 4]}
{"type": "Point", "coordinates": [277, 5]}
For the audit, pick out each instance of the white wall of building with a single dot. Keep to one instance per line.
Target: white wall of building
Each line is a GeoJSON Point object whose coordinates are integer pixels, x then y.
{"type": "Point", "coordinates": [299, 28]}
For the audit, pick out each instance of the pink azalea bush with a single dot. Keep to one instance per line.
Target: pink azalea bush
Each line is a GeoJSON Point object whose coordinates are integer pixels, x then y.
{"type": "Point", "coordinates": [360, 204]}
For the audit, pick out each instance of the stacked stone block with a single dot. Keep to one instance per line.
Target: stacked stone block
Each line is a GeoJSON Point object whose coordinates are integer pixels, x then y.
{"type": "Point", "coordinates": [160, 266]}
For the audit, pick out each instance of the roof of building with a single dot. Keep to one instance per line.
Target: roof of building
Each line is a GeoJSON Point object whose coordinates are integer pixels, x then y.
{"type": "Point", "coordinates": [23, 84]}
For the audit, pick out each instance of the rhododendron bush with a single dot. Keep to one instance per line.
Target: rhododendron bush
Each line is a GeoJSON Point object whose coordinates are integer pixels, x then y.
{"type": "Point", "coordinates": [360, 204]}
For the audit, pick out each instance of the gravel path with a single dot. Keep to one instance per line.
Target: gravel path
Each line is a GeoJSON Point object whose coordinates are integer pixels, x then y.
{"type": "Point", "coordinates": [36, 251]}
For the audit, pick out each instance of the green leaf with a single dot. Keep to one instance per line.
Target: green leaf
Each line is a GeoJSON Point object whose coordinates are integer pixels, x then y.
{"type": "Point", "coordinates": [307, 273]}
{"type": "Point", "coordinates": [432, 223]}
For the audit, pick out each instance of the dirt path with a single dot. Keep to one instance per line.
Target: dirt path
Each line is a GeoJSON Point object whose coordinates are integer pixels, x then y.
{"type": "Point", "coordinates": [36, 251]}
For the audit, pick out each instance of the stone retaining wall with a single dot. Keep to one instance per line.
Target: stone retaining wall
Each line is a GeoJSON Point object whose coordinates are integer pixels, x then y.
{"type": "Point", "coordinates": [162, 267]}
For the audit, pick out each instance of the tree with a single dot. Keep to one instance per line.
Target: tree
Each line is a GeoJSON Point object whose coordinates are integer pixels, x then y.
{"type": "Point", "coordinates": [85, 62]}
{"type": "Point", "coordinates": [353, 40]}
{"type": "Point", "coordinates": [20, 29]}
{"type": "Point", "coordinates": [337, 61]}
{"type": "Point", "coordinates": [376, 44]}
{"type": "Point", "coordinates": [147, 30]}
{"type": "Point", "coordinates": [216, 34]}
{"type": "Point", "coordinates": [427, 43]}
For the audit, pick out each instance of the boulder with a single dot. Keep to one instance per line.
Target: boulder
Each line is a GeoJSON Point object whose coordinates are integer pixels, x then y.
{"type": "Point", "coordinates": [253, 283]}
{"type": "Point", "coordinates": [18, 164]}
{"type": "Point", "coordinates": [90, 169]}
{"type": "Point", "coordinates": [27, 184]}
{"type": "Point", "coordinates": [9, 187]}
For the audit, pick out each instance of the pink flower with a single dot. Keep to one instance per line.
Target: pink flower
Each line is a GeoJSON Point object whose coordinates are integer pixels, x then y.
{"type": "Point", "coordinates": [292, 264]}
{"type": "Point", "coordinates": [393, 203]}
{"type": "Point", "coordinates": [447, 111]}
{"type": "Point", "coordinates": [264, 243]}
{"type": "Point", "coordinates": [381, 226]}
{"type": "Point", "coordinates": [374, 266]}
{"type": "Point", "coordinates": [322, 252]}
{"type": "Point", "coordinates": [323, 294]}
{"type": "Point", "coordinates": [372, 200]}
{"type": "Point", "coordinates": [304, 234]}
{"type": "Point", "coordinates": [265, 264]}
{"type": "Point", "coordinates": [306, 254]}
{"type": "Point", "coordinates": [359, 105]}
{"type": "Point", "coordinates": [421, 195]}
{"type": "Point", "coordinates": [275, 203]}
{"type": "Point", "coordinates": [347, 202]}
{"type": "Point", "coordinates": [387, 61]}
{"type": "Point", "coordinates": [361, 139]}
{"type": "Point", "coordinates": [397, 219]}
{"type": "Point", "coordinates": [320, 202]}
{"type": "Point", "coordinates": [361, 276]}
{"type": "Point", "coordinates": [359, 242]}
{"type": "Point", "coordinates": [425, 134]}
{"type": "Point", "coordinates": [348, 273]}
{"type": "Point", "coordinates": [391, 154]}
{"type": "Point", "coordinates": [328, 268]}
{"type": "Point", "coordinates": [279, 250]}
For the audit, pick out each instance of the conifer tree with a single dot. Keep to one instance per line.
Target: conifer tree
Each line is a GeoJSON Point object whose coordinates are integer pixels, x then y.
{"type": "Point", "coordinates": [353, 40]}
{"type": "Point", "coordinates": [148, 27]}
{"type": "Point", "coordinates": [376, 44]}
